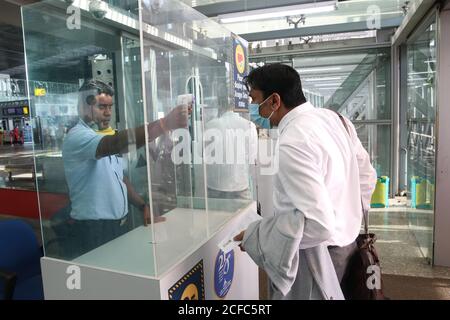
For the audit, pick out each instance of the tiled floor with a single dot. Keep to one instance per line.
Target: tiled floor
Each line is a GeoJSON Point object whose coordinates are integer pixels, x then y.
{"type": "Point", "coordinates": [398, 287]}
{"type": "Point", "coordinates": [398, 243]}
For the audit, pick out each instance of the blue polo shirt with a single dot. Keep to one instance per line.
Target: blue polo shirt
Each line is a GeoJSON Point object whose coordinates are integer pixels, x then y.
{"type": "Point", "coordinates": [96, 186]}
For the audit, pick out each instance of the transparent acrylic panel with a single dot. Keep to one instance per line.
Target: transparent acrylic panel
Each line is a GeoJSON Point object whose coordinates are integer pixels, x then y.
{"type": "Point", "coordinates": [90, 197]}
{"type": "Point", "coordinates": [421, 115]}
{"type": "Point", "coordinates": [86, 77]}
{"type": "Point", "coordinates": [188, 60]}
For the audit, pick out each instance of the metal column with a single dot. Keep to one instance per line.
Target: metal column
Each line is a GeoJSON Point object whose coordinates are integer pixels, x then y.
{"type": "Point", "coordinates": [442, 218]}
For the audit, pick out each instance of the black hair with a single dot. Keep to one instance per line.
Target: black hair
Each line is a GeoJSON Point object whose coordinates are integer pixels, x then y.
{"type": "Point", "coordinates": [277, 78]}
{"type": "Point", "coordinates": [92, 88]}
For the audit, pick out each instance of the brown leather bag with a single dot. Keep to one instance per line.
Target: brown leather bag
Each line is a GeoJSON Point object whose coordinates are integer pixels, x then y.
{"type": "Point", "coordinates": [362, 279]}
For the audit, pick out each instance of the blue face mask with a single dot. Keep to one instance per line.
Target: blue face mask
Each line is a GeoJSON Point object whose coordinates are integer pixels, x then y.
{"type": "Point", "coordinates": [256, 118]}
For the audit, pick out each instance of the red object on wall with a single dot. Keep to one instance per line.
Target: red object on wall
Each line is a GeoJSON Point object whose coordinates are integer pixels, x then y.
{"type": "Point", "coordinates": [24, 203]}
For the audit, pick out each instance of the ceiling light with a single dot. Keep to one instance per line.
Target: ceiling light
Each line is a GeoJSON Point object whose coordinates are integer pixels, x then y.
{"type": "Point", "coordinates": [323, 79]}
{"type": "Point", "coordinates": [278, 12]}
{"type": "Point", "coordinates": [314, 70]}
{"type": "Point", "coordinates": [327, 84]}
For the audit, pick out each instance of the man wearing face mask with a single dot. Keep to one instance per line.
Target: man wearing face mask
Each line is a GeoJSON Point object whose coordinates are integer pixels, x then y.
{"type": "Point", "coordinates": [324, 181]}
{"type": "Point", "coordinates": [99, 190]}
{"type": "Point", "coordinates": [256, 118]}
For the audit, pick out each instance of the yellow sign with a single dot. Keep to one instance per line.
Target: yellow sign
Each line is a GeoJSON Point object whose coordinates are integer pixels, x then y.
{"type": "Point", "coordinates": [191, 286]}
{"type": "Point", "coordinates": [190, 293]}
{"type": "Point", "coordinates": [40, 92]}
{"type": "Point", "coordinates": [240, 59]}
{"type": "Point", "coordinates": [25, 110]}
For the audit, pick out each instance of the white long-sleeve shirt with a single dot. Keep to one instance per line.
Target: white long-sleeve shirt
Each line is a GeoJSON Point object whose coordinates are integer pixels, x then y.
{"type": "Point", "coordinates": [234, 142]}
{"type": "Point", "coordinates": [325, 173]}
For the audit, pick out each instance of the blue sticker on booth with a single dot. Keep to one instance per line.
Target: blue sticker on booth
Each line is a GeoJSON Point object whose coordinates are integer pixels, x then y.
{"type": "Point", "coordinates": [223, 273]}
{"type": "Point", "coordinates": [190, 286]}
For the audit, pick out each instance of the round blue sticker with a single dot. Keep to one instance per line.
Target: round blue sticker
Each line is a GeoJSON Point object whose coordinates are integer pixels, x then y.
{"type": "Point", "coordinates": [223, 273]}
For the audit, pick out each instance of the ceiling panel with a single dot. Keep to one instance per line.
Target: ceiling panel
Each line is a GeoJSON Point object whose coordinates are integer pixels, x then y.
{"type": "Point", "coordinates": [346, 12]}
{"type": "Point", "coordinates": [350, 16]}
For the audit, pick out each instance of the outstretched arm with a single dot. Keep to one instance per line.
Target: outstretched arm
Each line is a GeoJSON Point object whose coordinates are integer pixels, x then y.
{"type": "Point", "coordinates": [118, 143]}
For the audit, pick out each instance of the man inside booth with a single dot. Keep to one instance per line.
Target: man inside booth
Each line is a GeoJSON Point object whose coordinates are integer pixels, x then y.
{"type": "Point", "coordinates": [92, 155]}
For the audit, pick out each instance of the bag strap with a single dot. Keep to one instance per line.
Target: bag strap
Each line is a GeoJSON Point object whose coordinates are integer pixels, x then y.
{"type": "Point", "coordinates": [365, 212]}
{"type": "Point", "coordinates": [343, 122]}
{"type": "Point", "coordinates": [366, 218]}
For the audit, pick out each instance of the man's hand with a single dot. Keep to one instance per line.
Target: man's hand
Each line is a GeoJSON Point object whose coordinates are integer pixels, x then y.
{"type": "Point", "coordinates": [147, 218]}
{"type": "Point", "coordinates": [240, 237]}
{"type": "Point", "coordinates": [178, 117]}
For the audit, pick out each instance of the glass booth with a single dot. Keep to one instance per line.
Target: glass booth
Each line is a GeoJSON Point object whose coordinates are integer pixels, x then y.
{"type": "Point", "coordinates": [153, 59]}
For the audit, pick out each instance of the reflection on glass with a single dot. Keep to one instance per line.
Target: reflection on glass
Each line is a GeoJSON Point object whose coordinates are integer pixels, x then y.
{"type": "Point", "coordinates": [421, 115]}
{"type": "Point", "coordinates": [127, 130]}
{"type": "Point", "coordinates": [230, 148]}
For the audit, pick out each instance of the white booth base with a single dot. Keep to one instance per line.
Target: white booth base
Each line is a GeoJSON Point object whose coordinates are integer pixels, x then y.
{"type": "Point", "coordinates": [190, 265]}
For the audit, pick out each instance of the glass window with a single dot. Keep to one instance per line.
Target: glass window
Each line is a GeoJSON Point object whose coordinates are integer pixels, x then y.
{"type": "Point", "coordinates": [355, 83]}
{"type": "Point", "coordinates": [376, 140]}
{"type": "Point", "coordinates": [421, 120]}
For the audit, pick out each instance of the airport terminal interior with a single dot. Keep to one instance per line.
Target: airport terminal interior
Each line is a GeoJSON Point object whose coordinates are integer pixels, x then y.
{"type": "Point", "coordinates": [383, 64]}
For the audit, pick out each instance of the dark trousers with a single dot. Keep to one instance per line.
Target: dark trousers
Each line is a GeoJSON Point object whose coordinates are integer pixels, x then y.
{"type": "Point", "coordinates": [340, 257]}
{"type": "Point", "coordinates": [86, 235]}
